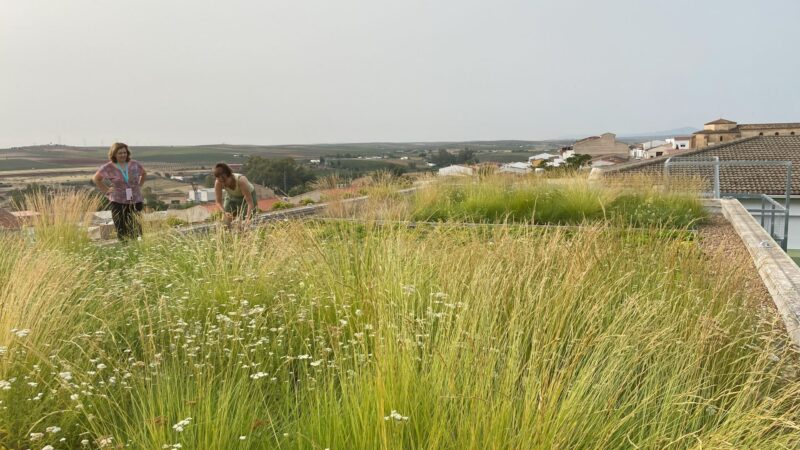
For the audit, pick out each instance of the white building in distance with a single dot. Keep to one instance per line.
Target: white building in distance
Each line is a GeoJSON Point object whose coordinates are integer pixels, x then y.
{"type": "Point", "coordinates": [202, 195]}
{"type": "Point", "coordinates": [457, 171]}
{"type": "Point", "coordinates": [516, 167]}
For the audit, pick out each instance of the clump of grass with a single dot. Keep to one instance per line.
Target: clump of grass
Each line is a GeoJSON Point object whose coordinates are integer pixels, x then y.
{"type": "Point", "coordinates": [281, 205]}
{"type": "Point", "coordinates": [62, 217]}
{"type": "Point", "coordinates": [662, 210]}
{"type": "Point", "coordinates": [557, 202]}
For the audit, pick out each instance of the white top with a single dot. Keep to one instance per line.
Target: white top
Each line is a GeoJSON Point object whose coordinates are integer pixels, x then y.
{"type": "Point", "coordinates": [237, 191]}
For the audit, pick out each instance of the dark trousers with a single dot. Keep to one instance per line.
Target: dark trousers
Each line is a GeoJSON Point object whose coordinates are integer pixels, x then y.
{"type": "Point", "coordinates": [127, 219]}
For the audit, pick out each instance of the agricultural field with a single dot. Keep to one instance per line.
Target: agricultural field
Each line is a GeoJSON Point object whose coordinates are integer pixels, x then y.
{"type": "Point", "coordinates": [477, 329]}
{"type": "Point", "coordinates": [54, 156]}
{"type": "Point", "coordinates": [24, 164]}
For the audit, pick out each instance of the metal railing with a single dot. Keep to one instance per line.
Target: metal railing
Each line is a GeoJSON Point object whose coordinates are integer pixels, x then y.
{"type": "Point", "coordinates": [773, 216]}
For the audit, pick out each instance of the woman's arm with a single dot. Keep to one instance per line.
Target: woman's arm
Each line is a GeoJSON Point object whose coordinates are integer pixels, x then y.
{"type": "Point", "coordinates": [218, 195]}
{"type": "Point", "coordinates": [244, 186]}
{"type": "Point", "coordinates": [98, 181]}
{"type": "Point", "coordinates": [143, 176]}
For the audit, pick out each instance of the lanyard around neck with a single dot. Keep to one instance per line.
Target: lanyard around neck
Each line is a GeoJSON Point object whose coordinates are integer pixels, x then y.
{"type": "Point", "coordinates": [124, 172]}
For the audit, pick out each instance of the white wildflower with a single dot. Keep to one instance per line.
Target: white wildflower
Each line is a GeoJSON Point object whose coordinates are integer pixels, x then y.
{"type": "Point", "coordinates": [316, 363]}
{"type": "Point", "coordinates": [53, 430]}
{"type": "Point", "coordinates": [36, 436]}
{"type": "Point", "coordinates": [20, 333]}
{"type": "Point", "coordinates": [394, 415]}
{"type": "Point", "coordinates": [258, 375]}
{"type": "Point", "coordinates": [182, 424]}
{"type": "Point", "coordinates": [409, 289]}
{"type": "Point", "coordinates": [241, 438]}
{"type": "Point", "coordinates": [5, 385]}
{"type": "Point", "coordinates": [48, 447]}
{"type": "Point", "coordinates": [304, 357]}
{"type": "Point", "coordinates": [66, 376]}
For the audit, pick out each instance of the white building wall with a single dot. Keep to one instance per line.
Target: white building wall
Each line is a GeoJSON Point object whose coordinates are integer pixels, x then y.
{"type": "Point", "coordinates": [202, 195]}
{"type": "Point", "coordinates": [681, 144]}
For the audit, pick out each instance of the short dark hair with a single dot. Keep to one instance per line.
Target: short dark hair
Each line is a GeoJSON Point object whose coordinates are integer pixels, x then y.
{"type": "Point", "coordinates": [222, 169]}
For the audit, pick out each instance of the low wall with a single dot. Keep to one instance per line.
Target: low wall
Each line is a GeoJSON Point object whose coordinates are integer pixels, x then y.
{"type": "Point", "coordinates": [780, 274]}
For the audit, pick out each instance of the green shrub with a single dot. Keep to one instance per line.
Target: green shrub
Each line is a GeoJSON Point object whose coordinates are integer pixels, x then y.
{"type": "Point", "coordinates": [279, 205]}
{"type": "Point", "coordinates": [175, 222]}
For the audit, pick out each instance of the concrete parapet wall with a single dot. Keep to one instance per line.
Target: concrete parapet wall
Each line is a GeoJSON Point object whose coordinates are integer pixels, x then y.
{"type": "Point", "coordinates": [780, 274]}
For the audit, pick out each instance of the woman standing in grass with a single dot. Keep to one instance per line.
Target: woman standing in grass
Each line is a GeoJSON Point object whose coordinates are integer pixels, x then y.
{"type": "Point", "coordinates": [121, 181]}
{"type": "Point", "coordinates": [240, 194]}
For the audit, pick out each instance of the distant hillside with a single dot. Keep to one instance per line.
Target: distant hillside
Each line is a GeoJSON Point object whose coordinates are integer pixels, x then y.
{"type": "Point", "coordinates": [62, 156]}
{"type": "Point", "coordinates": [685, 131]}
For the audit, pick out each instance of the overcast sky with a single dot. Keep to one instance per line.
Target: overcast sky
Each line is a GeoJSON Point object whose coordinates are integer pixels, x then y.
{"type": "Point", "coordinates": [312, 71]}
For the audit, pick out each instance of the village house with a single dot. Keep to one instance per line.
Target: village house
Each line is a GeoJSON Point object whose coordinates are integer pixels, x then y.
{"type": "Point", "coordinates": [605, 144]}
{"type": "Point", "coordinates": [202, 195]}
{"type": "Point", "coordinates": [540, 159]}
{"type": "Point", "coordinates": [172, 197]}
{"type": "Point", "coordinates": [680, 142]}
{"type": "Point", "coordinates": [455, 171]}
{"type": "Point", "coordinates": [516, 167]}
{"type": "Point", "coordinates": [722, 130]}
{"type": "Point", "coordinates": [610, 160]}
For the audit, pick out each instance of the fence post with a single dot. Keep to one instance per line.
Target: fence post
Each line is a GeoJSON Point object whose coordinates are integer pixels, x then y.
{"type": "Point", "coordinates": [763, 211]}
{"type": "Point", "coordinates": [787, 201]}
{"type": "Point", "coordinates": [772, 222]}
{"type": "Point", "coordinates": [716, 177]}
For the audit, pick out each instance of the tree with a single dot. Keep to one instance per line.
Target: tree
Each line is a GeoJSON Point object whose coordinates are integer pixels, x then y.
{"type": "Point", "coordinates": [574, 162]}
{"type": "Point", "coordinates": [577, 161]}
{"type": "Point", "coordinates": [444, 158]}
{"type": "Point", "coordinates": [279, 174]}
{"type": "Point", "coordinates": [397, 170]}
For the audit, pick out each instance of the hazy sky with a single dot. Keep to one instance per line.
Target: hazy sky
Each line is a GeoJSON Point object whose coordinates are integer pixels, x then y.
{"type": "Point", "coordinates": [298, 71]}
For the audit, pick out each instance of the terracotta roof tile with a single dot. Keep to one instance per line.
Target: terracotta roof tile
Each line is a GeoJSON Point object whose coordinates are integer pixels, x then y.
{"type": "Point", "coordinates": [738, 179]}
{"type": "Point", "coordinates": [767, 126]}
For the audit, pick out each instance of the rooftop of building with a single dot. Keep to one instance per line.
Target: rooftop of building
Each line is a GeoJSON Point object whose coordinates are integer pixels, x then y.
{"type": "Point", "coordinates": [738, 179]}
{"type": "Point", "coordinates": [721, 121]}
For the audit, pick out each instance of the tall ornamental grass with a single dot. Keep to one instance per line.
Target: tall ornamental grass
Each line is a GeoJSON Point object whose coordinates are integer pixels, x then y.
{"type": "Point", "coordinates": [61, 218]}
{"type": "Point", "coordinates": [553, 202]}
{"type": "Point", "coordinates": [360, 336]}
